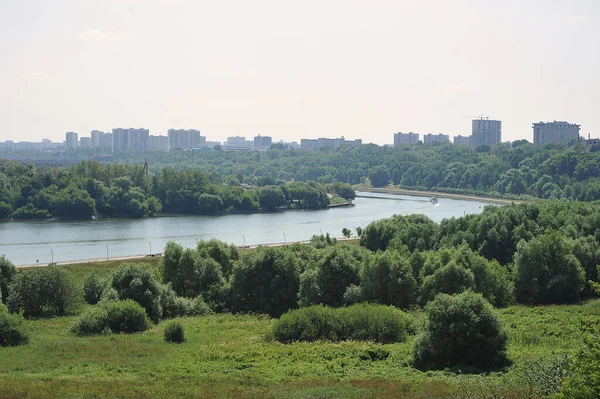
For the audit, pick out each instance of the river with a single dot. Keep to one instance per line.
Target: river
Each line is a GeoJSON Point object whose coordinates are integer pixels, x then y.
{"type": "Point", "coordinates": [30, 242]}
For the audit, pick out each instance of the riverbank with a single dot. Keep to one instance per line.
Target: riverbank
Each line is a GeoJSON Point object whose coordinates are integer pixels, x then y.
{"type": "Point", "coordinates": [429, 194]}
{"type": "Point", "coordinates": [159, 255]}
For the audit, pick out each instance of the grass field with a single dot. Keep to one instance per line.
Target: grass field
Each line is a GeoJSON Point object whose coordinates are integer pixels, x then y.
{"type": "Point", "coordinates": [228, 356]}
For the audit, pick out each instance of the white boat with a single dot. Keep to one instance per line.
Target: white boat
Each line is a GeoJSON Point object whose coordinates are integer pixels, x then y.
{"type": "Point", "coordinates": [433, 200]}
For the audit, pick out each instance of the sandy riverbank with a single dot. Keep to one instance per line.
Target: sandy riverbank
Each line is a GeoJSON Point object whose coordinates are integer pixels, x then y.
{"type": "Point", "coordinates": [429, 194]}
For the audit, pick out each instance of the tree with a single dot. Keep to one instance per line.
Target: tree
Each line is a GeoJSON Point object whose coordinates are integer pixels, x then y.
{"type": "Point", "coordinates": [379, 177]}
{"type": "Point", "coordinates": [547, 270]}
{"type": "Point", "coordinates": [389, 280]}
{"type": "Point", "coordinates": [346, 232]}
{"type": "Point", "coordinates": [271, 197]}
{"type": "Point", "coordinates": [131, 281]}
{"type": "Point", "coordinates": [209, 204]}
{"type": "Point", "coordinates": [44, 291]}
{"type": "Point", "coordinates": [461, 330]}
{"type": "Point", "coordinates": [450, 279]}
{"type": "Point", "coordinates": [7, 272]}
{"type": "Point", "coordinates": [73, 203]}
{"type": "Point", "coordinates": [265, 280]}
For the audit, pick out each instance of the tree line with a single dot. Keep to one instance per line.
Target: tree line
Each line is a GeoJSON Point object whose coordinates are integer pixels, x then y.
{"type": "Point", "coordinates": [88, 189]}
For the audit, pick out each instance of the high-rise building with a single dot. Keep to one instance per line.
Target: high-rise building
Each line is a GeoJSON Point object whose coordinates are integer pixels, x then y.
{"type": "Point", "coordinates": [185, 139]}
{"type": "Point", "coordinates": [262, 143]}
{"type": "Point", "coordinates": [237, 143]}
{"type": "Point", "coordinates": [432, 138]}
{"type": "Point", "coordinates": [309, 144]}
{"type": "Point", "coordinates": [486, 132]}
{"type": "Point", "coordinates": [405, 138]}
{"type": "Point", "coordinates": [464, 140]}
{"type": "Point", "coordinates": [85, 142]}
{"type": "Point", "coordinates": [159, 143]}
{"type": "Point", "coordinates": [96, 138]}
{"type": "Point", "coordinates": [323, 142]}
{"type": "Point", "coordinates": [106, 141]}
{"type": "Point", "coordinates": [554, 132]}
{"type": "Point", "coordinates": [130, 140]}
{"type": "Point", "coordinates": [71, 140]}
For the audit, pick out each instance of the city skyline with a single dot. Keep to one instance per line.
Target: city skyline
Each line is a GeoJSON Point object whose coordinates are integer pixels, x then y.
{"type": "Point", "coordinates": [312, 69]}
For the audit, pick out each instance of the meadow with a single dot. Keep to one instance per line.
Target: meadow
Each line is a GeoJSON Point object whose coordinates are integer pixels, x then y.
{"type": "Point", "coordinates": [229, 355]}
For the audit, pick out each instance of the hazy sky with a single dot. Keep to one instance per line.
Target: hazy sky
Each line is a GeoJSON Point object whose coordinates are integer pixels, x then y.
{"type": "Point", "coordinates": [293, 69]}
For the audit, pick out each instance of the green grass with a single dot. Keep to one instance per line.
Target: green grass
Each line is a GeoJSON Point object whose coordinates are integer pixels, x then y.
{"type": "Point", "coordinates": [228, 356]}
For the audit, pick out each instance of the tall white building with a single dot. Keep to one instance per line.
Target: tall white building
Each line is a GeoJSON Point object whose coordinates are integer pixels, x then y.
{"type": "Point", "coordinates": [485, 131]}
{"type": "Point", "coordinates": [237, 143]}
{"type": "Point", "coordinates": [554, 132]}
{"type": "Point", "coordinates": [464, 140]}
{"type": "Point", "coordinates": [159, 143]}
{"type": "Point", "coordinates": [185, 139]}
{"type": "Point", "coordinates": [131, 140]}
{"type": "Point", "coordinates": [405, 138]}
{"type": "Point", "coordinates": [432, 138]}
{"type": "Point", "coordinates": [71, 140]}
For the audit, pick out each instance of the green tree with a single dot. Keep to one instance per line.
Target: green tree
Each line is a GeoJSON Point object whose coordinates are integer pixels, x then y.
{"type": "Point", "coordinates": [271, 197]}
{"type": "Point", "coordinates": [461, 331]}
{"type": "Point", "coordinates": [7, 273]}
{"type": "Point", "coordinates": [131, 281]}
{"type": "Point", "coordinates": [379, 177]}
{"type": "Point", "coordinates": [547, 270]}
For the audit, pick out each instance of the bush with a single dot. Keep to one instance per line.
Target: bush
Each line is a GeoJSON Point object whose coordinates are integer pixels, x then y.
{"type": "Point", "coordinates": [460, 330]}
{"type": "Point", "coordinates": [92, 288]}
{"type": "Point", "coordinates": [44, 291]}
{"type": "Point", "coordinates": [7, 272]}
{"type": "Point", "coordinates": [174, 332]}
{"type": "Point", "coordinates": [125, 316]}
{"type": "Point", "coordinates": [176, 306]}
{"type": "Point", "coordinates": [11, 329]}
{"type": "Point", "coordinates": [450, 279]}
{"type": "Point", "coordinates": [131, 281]}
{"type": "Point", "coordinates": [378, 323]}
{"type": "Point", "coordinates": [583, 379]}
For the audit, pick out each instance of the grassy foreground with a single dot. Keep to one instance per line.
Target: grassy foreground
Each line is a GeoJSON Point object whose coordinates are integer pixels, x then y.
{"type": "Point", "coordinates": [228, 356]}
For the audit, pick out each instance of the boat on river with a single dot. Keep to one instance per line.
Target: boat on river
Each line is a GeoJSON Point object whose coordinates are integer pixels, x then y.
{"type": "Point", "coordinates": [433, 200]}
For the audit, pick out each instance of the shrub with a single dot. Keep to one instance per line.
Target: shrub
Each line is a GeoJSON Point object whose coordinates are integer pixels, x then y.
{"type": "Point", "coordinates": [92, 288]}
{"type": "Point", "coordinates": [125, 316]}
{"type": "Point", "coordinates": [174, 332]}
{"type": "Point", "coordinates": [44, 291]}
{"type": "Point", "coordinates": [460, 330]}
{"type": "Point", "coordinates": [7, 272]}
{"type": "Point", "coordinates": [363, 322]}
{"type": "Point", "coordinates": [583, 379]}
{"type": "Point", "coordinates": [131, 281]}
{"type": "Point", "coordinates": [11, 329]}
{"type": "Point", "coordinates": [353, 295]}
{"type": "Point", "coordinates": [176, 306]}
{"type": "Point", "coordinates": [93, 321]}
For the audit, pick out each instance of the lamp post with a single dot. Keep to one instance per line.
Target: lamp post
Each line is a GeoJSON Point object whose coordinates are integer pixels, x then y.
{"type": "Point", "coordinates": [150, 248]}
{"type": "Point", "coordinates": [106, 252]}
{"type": "Point", "coordinates": [244, 237]}
{"type": "Point", "coordinates": [284, 238]}
{"type": "Point", "coordinates": [52, 252]}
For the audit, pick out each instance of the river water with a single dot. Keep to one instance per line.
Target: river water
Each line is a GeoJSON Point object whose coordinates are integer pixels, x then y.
{"type": "Point", "coordinates": [30, 242]}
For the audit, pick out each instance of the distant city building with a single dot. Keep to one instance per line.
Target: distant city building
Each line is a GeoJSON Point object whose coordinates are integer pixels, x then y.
{"type": "Point", "coordinates": [432, 138]}
{"type": "Point", "coordinates": [85, 142]}
{"type": "Point", "coordinates": [405, 138]}
{"type": "Point", "coordinates": [464, 140]}
{"type": "Point", "coordinates": [185, 139]}
{"type": "Point", "coordinates": [131, 140]}
{"type": "Point", "coordinates": [237, 143]}
{"type": "Point", "coordinates": [211, 144]}
{"type": "Point", "coordinates": [71, 140]}
{"type": "Point", "coordinates": [309, 144]}
{"type": "Point", "coordinates": [554, 132]}
{"type": "Point", "coordinates": [97, 138]}
{"type": "Point", "coordinates": [106, 141]}
{"type": "Point", "coordinates": [317, 144]}
{"type": "Point", "coordinates": [486, 132]}
{"type": "Point", "coordinates": [262, 143]}
{"type": "Point", "coordinates": [159, 143]}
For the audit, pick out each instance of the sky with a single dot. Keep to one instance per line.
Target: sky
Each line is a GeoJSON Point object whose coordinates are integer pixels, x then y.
{"type": "Point", "coordinates": [297, 69]}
